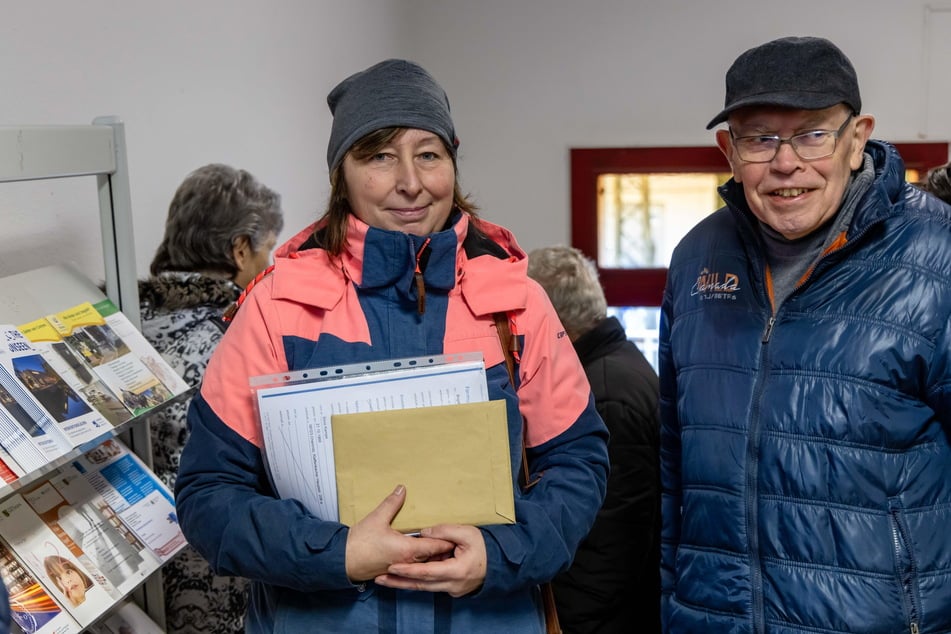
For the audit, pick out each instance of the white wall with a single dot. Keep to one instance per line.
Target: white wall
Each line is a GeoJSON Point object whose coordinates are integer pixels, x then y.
{"type": "Point", "coordinates": [529, 79]}
{"type": "Point", "coordinates": [195, 81]}
{"type": "Point", "coordinates": [245, 81]}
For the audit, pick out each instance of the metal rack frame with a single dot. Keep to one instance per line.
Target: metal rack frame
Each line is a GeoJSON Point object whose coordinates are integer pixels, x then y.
{"type": "Point", "coordinates": [40, 152]}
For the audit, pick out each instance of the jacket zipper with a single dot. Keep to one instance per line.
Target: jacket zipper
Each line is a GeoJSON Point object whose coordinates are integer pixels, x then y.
{"type": "Point", "coordinates": [756, 571]}
{"type": "Point", "coordinates": [907, 570]}
{"type": "Point", "coordinates": [420, 283]}
{"type": "Point", "coordinates": [769, 329]}
{"type": "Point", "coordinates": [752, 485]}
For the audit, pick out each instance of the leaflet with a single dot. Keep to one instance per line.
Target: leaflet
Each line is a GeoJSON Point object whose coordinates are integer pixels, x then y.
{"type": "Point", "coordinates": [140, 499]}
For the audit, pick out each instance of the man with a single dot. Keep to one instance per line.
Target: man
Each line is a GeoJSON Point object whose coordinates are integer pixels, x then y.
{"type": "Point", "coordinates": [613, 585]}
{"type": "Point", "coordinates": [804, 371]}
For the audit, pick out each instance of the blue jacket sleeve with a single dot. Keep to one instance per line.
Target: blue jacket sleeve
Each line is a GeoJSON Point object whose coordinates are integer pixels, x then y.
{"type": "Point", "coordinates": [554, 515]}
{"type": "Point", "coordinates": [231, 516]}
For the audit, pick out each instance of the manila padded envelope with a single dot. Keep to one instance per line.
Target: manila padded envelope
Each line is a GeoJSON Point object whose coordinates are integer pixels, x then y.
{"type": "Point", "coordinates": [453, 459]}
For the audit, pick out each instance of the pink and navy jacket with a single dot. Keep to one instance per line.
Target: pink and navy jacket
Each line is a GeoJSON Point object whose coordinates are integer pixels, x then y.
{"type": "Point", "coordinates": [317, 310]}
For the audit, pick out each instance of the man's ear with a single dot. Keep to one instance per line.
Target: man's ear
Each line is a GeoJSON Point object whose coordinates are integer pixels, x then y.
{"type": "Point", "coordinates": [725, 143]}
{"type": "Point", "coordinates": [864, 124]}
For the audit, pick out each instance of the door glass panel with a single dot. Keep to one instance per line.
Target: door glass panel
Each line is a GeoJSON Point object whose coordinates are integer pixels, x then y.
{"type": "Point", "coordinates": [640, 325]}
{"type": "Point", "coordinates": [642, 217]}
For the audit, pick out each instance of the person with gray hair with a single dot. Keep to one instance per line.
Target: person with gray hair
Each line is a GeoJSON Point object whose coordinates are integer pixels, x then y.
{"type": "Point", "coordinates": [222, 222]}
{"type": "Point", "coordinates": [398, 266]}
{"type": "Point", "coordinates": [613, 585]}
{"type": "Point", "coordinates": [221, 228]}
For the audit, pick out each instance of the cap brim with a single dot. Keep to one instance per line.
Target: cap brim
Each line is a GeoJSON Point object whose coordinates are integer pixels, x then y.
{"type": "Point", "coordinates": [796, 101]}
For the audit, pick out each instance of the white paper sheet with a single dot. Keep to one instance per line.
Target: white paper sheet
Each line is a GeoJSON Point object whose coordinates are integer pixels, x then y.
{"type": "Point", "coordinates": [295, 418]}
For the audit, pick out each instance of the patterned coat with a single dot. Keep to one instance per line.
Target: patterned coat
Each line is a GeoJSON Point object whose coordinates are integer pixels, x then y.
{"type": "Point", "coordinates": [181, 319]}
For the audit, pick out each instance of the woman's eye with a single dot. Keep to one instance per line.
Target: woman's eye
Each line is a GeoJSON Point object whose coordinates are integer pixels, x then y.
{"type": "Point", "coordinates": [429, 156]}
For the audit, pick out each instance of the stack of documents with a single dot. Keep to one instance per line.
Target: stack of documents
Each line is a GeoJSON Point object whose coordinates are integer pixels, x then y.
{"type": "Point", "coordinates": [340, 439]}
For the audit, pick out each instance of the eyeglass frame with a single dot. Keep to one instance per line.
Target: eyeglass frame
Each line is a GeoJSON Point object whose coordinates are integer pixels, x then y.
{"type": "Point", "coordinates": [835, 141]}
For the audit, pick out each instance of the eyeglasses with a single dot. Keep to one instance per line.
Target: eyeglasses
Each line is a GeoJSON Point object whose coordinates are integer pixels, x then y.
{"type": "Point", "coordinates": [809, 146]}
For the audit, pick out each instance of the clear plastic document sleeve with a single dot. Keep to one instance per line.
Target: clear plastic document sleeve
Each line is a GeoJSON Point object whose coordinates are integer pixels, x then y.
{"type": "Point", "coordinates": [299, 411]}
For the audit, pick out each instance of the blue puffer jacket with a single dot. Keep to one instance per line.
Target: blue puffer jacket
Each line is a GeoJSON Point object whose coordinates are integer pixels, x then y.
{"type": "Point", "coordinates": [806, 454]}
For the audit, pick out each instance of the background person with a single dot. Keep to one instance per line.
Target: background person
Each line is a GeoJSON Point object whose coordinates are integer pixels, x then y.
{"type": "Point", "coordinates": [221, 228]}
{"type": "Point", "coordinates": [938, 182]}
{"type": "Point", "coordinates": [613, 584]}
{"type": "Point", "coordinates": [399, 266]}
{"type": "Point", "coordinates": [805, 372]}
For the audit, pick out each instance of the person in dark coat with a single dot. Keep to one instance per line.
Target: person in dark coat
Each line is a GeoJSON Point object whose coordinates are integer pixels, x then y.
{"type": "Point", "coordinates": [613, 584]}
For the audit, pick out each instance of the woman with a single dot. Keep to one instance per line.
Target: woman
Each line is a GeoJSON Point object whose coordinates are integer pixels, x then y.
{"type": "Point", "coordinates": [69, 579]}
{"type": "Point", "coordinates": [221, 228]}
{"type": "Point", "coordinates": [398, 266]}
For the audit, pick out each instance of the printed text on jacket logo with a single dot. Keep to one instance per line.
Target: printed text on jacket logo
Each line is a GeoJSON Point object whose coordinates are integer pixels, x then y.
{"type": "Point", "coordinates": [714, 285]}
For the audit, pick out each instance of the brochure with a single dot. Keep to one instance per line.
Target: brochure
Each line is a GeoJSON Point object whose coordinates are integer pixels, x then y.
{"type": "Point", "coordinates": [128, 618]}
{"type": "Point", "coordinates": [58, 563]}
{"type": "Point", "coordinates": [17, 431]}
{"type": "Point", "coordinates": [119, 354]}
{"type": "Point", "coordinates": [36, 396]}
{"type": "Point", "coordinates": [138, 496]}
{"type": "Point", "coordinates": [10, 469]}
{"type": "Point", "coordinates": [46, 340]}
{"type": "Point", "coordinates": [32, 609]}
{"type": "Point", "coordinates": [68, 504]}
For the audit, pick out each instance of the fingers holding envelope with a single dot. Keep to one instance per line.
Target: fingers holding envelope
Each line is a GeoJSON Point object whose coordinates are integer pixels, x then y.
{"type": "Point", "coordinates": [458, 575]}
{"type": "Point", "coordinates": [373, 545]}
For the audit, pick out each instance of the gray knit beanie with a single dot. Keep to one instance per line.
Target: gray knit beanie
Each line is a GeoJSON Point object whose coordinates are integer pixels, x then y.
{"type": "Point", "coordinates": [392, 94]}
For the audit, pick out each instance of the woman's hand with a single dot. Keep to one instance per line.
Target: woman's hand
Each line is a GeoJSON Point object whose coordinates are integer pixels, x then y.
{"type": "Point", "coordinates": [458, 575]}
{"type": "Point", "coordinates": [373, 545]}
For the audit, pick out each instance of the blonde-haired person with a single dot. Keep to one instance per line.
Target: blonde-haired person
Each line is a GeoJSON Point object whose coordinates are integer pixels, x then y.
{"type": "Point", "coordinates": [613, 584]}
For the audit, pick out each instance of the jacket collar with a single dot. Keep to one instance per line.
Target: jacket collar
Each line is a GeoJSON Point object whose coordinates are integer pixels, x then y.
{"type": "Point", "coordinates": [597, 342]}
{"type": "Point", "coordinates": [174, 290]}
{"type": "Point", "coordinates": [498, 285]}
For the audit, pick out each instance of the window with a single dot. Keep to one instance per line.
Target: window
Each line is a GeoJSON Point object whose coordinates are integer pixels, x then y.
{"type": "Point", "coordinates": [631, 206]}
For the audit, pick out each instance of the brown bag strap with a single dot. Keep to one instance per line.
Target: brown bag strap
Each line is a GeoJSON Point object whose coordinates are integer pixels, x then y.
{"type": "Point", "coordinates": [505, 338]}
{"type": "Point", "coordinates": [510, 347]}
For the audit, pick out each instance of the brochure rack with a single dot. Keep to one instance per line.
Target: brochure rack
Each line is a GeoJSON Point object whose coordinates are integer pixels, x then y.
{"type": "Point", "coordinates": [37, 152]}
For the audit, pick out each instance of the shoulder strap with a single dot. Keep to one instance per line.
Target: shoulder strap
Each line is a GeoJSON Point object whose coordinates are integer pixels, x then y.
{"type": "Point", "coordinates": [510, 349]}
